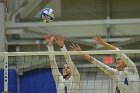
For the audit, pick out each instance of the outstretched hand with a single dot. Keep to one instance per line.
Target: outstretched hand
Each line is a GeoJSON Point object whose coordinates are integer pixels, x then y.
{"type": "Point", "coordinates": [49, 39]}
{"type": "Point", "coordinates": [59, 40]}
{"type": "Point", "coordinates": [99, 40]}
{"type": "Point", "coordinates": [75, 47]}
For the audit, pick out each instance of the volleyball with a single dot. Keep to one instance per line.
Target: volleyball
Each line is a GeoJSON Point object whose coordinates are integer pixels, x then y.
{"type": "Point", "coordinates": [47, 15]}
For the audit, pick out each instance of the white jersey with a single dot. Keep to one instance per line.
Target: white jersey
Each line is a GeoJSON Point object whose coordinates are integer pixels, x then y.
{"type": "Point", "coordinates": [127, 81]}
{"type": "Point", "coordinates": [72, 85]}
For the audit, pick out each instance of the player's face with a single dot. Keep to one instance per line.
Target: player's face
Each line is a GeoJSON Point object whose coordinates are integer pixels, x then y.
{"type": "Point", "coordinates": [120, 65]}
{"type": "Point", "coordinates": [66, 70]}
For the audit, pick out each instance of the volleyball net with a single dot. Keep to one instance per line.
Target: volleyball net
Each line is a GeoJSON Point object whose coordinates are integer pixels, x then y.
{"type": "Point", "coordinates": [30, 72]}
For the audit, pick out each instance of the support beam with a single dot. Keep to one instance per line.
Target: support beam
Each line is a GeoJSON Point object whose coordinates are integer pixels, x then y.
{"type": "Point", "coordinates": [108, 9]}
{"type": "Point", "coordinates": [108, 17]}
{"type": "Point", "coordinates": [73, 23]}
{"type": "Point", "coordinates": [2, 27]}
{"type": "Point", "coordinates": [127, 42]}
{"type": "Point", "coordinates": [78, 41]}
{"type": "Point", "coordinates": [15, 31]}
{"type": "Point", "coordinates": [32, 7]}
{"type": "Point", "coordinates": [67, 39]}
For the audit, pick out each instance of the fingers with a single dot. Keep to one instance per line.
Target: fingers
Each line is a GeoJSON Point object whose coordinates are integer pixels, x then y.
{"type": "Point", "coordinates": [49, 38]}
{"type": "Point", "coordinates": [95, 36]}
{"type": "Point", "coordinates": [48, 35]}
{"type": "Point", "coordinates": [60, 37]}
{"type": "Point", "coordinates": [55, 39]}
{"type": "Point", "coordinates": [71, 47]}
{"type": "Point", "coordinates": [52, 38]}
{"type": "Point", "coordinates": [78, 46]}
{"type": "Point", "coordinates": [98, 36]}
{"type": "Point", "coordinates": [75, 47]}
{"type": "Point", "coordinates": [60, 41]}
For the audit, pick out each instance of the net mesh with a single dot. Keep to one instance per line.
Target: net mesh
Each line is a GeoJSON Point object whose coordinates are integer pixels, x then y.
{"type": "Point", "coordinates": [34, 73]}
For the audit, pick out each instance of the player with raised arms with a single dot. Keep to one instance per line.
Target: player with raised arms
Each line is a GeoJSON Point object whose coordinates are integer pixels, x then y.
{"type": "Point", "coordinates": [125, 75]}
{"type": "Point", "coordinates": [69, 80]}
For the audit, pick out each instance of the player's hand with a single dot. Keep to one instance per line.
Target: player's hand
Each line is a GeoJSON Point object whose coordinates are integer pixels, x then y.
{"type": "Point", "coordinates": [75, 47]}
{"type": "Point", "coordinates": [99, 40]}
{"type": "Point", "coordinates": [59, 40]}
{"type": "Point", "coordinates": [49, 39]}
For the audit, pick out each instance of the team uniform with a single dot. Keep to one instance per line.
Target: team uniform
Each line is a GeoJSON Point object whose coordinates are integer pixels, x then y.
{"type": "Point", "coordinates": [127, 81]}
{"type": "Point", "coordinates": [72, 85]}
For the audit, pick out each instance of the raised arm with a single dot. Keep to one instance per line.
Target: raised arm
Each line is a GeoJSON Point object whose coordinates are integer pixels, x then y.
{"type": "Point", "coordinates": [55, 71]}
{"type": "Point", "coordinates": [100, 41]}
{"type": "Point", "coordinates": [127, 61]}
{"type": "Point", "coordinates": [108, 70]}
{"type": "Point", "coordinates": [75, 73]}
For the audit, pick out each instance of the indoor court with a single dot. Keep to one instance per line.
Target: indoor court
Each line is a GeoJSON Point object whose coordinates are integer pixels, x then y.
{"type": "Point", "coordinates": [82, 46]}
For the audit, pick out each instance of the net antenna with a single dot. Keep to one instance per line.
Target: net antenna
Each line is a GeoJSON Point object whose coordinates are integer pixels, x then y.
{"type": "Point", "coordinates": [6, 73]}
{"type": "Point", "coordinates": [5, 3]}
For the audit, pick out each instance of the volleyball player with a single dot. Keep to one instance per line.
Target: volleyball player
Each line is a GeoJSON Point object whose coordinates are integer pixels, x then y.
{"type": "Point", "coordinates": [69, 80]}
{"type": "Point", "coordinates": [125, 75]}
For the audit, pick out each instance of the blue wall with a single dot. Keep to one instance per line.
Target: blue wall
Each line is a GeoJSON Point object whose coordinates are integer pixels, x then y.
{"type": "Point", "coordinates": [12, 81]}
{"type": "Point", "coordinates": [37, 81]}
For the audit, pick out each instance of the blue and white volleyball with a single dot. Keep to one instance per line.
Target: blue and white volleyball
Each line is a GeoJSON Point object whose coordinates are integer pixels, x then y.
{"type": "Point", "coordinates": [47, 15]}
